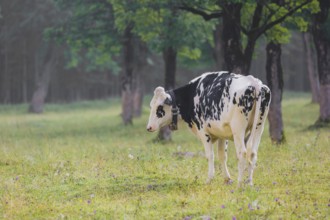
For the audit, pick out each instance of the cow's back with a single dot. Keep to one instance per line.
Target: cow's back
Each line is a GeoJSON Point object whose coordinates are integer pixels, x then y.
{"type": "Point", "coordinates": [223, 97]}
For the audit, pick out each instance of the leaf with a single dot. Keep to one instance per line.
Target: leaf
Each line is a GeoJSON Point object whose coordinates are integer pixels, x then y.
{"type": "Point", "coordinates": [190, 53]}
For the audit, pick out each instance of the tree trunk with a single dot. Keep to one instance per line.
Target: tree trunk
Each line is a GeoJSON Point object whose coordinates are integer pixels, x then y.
{"type": "Point", "coordinates": [140, 67]}
{"type": "Point", "coordinates": [231, 35]}
{"type": "Point", "coordinates": [25, 73]}
{"type": "Point", "coordinates": [275, 83]}
{"type": "Point", "coordinates": [127, 78]}
{"type": "Point", "coordinates": [169, 56]}
{"type": "Point", "coordinates": [6, 77]}
{"type": "Point", "coordinates": [322, 45]}
{"type": "Point", "coordinates": [218, 51]}
{"type": "Point", "coordinates": [312, 73]}
{"type": "Point", "coordinates": [138, 97]}
{"type": "Point", "coordinates": [40, 94]}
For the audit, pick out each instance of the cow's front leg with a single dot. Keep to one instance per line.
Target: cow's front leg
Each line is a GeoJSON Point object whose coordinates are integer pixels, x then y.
{"type": "Point", "coordinates": [209, 153]}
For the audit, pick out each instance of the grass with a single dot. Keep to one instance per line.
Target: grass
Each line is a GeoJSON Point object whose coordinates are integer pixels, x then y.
{"type": "Point", "coordinates": [78, 161]}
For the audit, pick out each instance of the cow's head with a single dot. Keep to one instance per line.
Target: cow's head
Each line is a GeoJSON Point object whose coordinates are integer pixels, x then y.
{"type": "Point", "coordinates": [160, 110]}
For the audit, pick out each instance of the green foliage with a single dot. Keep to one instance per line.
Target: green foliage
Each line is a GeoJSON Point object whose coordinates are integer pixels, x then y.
{"type": "Point", "coordinates": [204, 60]}
{"type": "Point", "coordinates": [89, 31]}
{"type": "Point", "coordinates": [271, 12]}
{"type": "Point", "coordinates": [301, 19]}
{"type": "Point", "coordinates": [93, 30]}
{"type": "Point", "coordinates": [190, 53]}
{"type": "Point", "coordinates": [281, 32]}
{"type": "Point", "coordinates": [78, 161]}
{"type": "Point", "coordinates": [92, 59]}
{"type": "Point", "coordinates": [99, 60]}
{"type": "Point", "coordinates": [162, 25]}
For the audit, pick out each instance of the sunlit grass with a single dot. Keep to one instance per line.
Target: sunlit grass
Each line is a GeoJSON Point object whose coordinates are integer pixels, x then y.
{"type": "Point", "coordinates": [78, 161]}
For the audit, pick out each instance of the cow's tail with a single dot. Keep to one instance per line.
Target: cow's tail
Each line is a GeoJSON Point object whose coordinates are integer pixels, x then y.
{"type": "Point", "coordinates": [251, 152]}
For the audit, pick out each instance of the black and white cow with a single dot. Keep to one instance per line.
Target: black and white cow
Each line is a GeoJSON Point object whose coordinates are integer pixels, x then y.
{"type": "Point", "coordinates": [217, 106]}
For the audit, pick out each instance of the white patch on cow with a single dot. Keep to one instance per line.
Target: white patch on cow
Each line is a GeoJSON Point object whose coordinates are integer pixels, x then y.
{"type": "Point", "coordinates": [196, 101]}
{"type": "Point", "coordinates": [206, 74]}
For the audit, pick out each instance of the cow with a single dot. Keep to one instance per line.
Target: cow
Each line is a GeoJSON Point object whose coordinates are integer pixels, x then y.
{"type": "Point", "coordinates": [217, 106]}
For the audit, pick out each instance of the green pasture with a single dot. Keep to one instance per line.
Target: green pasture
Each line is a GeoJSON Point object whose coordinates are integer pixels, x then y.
{"type": "Point", "coordinates": [77, 161]}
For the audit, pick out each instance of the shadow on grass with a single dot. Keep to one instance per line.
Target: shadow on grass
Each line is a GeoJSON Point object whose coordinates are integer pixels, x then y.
{"type": "Point", "coordinates": [319, 124]}
{"type": "Point", "coordinates": [138, 185]}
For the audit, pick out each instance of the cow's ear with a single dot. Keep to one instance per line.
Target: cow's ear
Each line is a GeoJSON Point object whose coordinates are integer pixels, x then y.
{"type": "Point", "coordinates": [168, 101]}
{"type": "Point", "coordinates": [159, 90]}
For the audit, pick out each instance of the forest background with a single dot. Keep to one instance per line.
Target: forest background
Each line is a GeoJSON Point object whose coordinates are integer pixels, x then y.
{"type": "Point", "coordinates": [60, 51]}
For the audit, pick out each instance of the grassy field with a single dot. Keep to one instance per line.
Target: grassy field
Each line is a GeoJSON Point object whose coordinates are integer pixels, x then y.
{"type": "Point", "coordinates": [78, 161]}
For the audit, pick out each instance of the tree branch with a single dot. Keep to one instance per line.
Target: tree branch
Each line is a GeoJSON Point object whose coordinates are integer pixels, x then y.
{"type": "Point", "coordinates": [256, 18]}
{"type": "Point", "coordinates": [206, 16]}
{"type": "Point", "coordinates": [237, 23]}
{"type": "Point", "coordinates": [268, 26]}
{"type": "Point", "coordinates": [268, 17]}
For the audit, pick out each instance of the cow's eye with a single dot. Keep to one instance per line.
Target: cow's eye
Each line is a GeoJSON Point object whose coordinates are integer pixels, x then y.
{"type": "Point", "coordinates": [160, 111]}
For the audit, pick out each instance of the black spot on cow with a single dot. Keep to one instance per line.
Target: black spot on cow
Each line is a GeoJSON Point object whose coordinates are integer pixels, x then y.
{"type": "Point", "coordinates": [246, 101]}
{"type": "Point", "coordinates": [160, 111]}
{"type": "Point", "coordinates": [234, 99]}
{"type": "Point", "coordinates": [265, 99]}
{"type": "Point", "coordinates": [264, 95]}
{"type": "Point", "coordinates": [185, 101]}
{"type": "Point", "coordinates": [208, 137]}
{"type": "Point", "coordinates": [227, 87]}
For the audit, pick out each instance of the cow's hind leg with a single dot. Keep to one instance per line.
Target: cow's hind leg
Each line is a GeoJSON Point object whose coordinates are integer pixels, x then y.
{"type": "Point", "coordinates": [253, 144]}
{"type": "Point", "coordinates": [252, 151]}
{"type": "Point", "coordinates": [241, 156]}
{"type": "Point", "coordinates": [222, 152]}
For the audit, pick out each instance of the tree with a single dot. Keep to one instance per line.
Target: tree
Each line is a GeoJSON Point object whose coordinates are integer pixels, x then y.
{"type": "Point", "coordinates": [170, 58]}
{"type": "Point", "coordinates": [49, 56]}
{"type": "Point", "coordinates": [275, 82]}
{"type": "Point", "coordinates": [49, 67]}
{"type": "Point", "coordinates": [274, 72]}
{"type": "Point", "coordinates": [142, 52]}
{"type": "Point", "coordinates": [101, 26]}
{"type": "Point", "coordinates": [134, 59]}
{"type": "Point", "coordinates": [254, 19]}
{"type": "Point", "coordinates": [321, 36]}
{"type": "Point", "coordinates": [312, 73]}
{"type": "Point", "coordinates": [127, 78]}
{"type": "Point", "coordinates": [173, 34]}
{"type": "Point", "coordinates": [276, 36]}
{"type": "Point", "coordinates": [21, 28]}
{"type": "Point", "coordinates": [218, 48]}
{"type": "Point", "coordinates": [238, 56]}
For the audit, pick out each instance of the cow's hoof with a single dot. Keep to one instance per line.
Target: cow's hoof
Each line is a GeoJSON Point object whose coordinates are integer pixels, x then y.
{"type": "Point", "coordinates": [240, 185]}
{"type": "Point", "coordinates": [249, 182]}
{"type": "Point", "coordinates": [209, 180]}
{"type": "Point", "coordinates": [228, 181]}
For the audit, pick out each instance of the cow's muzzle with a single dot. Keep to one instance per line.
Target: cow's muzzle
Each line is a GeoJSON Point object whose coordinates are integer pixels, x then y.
{"type": "Point", "coordinates": [150, 129]}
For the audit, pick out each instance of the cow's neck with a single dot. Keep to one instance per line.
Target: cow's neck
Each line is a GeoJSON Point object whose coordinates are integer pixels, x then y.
{"type": "Point", "coordinates": [175, 111]}
{"type": "Point", "coordinates": [184, 100]}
